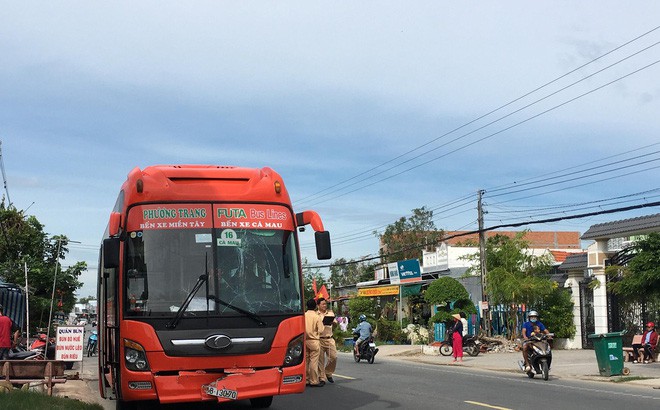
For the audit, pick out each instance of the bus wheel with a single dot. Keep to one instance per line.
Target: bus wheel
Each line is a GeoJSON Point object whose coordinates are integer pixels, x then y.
{"type": "Point", "coordinates": [261, 402]}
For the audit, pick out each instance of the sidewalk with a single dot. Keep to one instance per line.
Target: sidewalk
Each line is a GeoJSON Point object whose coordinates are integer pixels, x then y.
{"type": "Point", "coordinates": [566, 364]}
{"type": "Point", "coordinates": [85, 387]}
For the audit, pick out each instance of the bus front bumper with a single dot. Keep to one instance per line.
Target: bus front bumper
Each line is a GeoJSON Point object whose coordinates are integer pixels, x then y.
{"type": "Point", "coordinates": [233, 384]}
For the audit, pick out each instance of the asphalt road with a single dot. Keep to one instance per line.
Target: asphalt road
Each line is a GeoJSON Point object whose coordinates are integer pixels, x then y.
{"type": "Point", "coordinates": [395, 384]}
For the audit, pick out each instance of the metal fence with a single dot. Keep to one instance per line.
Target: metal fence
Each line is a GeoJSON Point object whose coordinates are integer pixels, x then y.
{"type": "Point", "coordinates": [12, 299]}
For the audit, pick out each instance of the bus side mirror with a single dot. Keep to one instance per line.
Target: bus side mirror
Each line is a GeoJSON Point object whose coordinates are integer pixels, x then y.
{"type": "Point", "coordinates": [322, 240]}
{"type": "Point", "coordinates": [113, 225]}
{"type": "Point", "coordinates": [111, 253]}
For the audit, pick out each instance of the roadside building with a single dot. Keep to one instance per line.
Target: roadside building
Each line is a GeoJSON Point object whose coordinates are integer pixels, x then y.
{"type": "Point", "coordinates": [450, 258]}
{"type": "Point", "coordinates": [597, 310]}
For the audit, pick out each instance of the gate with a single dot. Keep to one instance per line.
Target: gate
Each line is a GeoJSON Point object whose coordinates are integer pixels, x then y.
{"type": "Point", "coordinates": [587, 314]}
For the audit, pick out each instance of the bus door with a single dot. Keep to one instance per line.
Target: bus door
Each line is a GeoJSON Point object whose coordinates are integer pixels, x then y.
{"type": "Point", "coordinates": [108, 326]}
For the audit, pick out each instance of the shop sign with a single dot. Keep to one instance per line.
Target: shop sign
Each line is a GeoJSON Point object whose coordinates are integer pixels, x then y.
{"type": "Point", "coordinates": [379, 291]}
{"type": "Point", "coordinates": [409, 271]}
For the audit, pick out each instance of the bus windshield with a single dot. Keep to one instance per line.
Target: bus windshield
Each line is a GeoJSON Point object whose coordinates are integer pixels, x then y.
{"type": "Point", "coordinates": [253, 270]}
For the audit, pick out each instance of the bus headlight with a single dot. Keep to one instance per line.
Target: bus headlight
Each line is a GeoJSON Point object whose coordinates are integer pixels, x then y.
{"type": "Point", "coordinates": [136, 357]}
{"type": "Point", "coordinates": [294, 352]}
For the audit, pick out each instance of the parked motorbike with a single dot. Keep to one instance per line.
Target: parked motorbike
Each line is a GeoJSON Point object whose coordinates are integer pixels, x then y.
{"type": "Point", "coordinates": [92, 343]}
{"type": "Point", "coordinates": [39, 345]}
{"type": "Point", "coordinates": [367, 350]}
{"type": "Point", "coordinates": [21, 353]}
{"type": "Point", "coordinates": [471, 345]}
{"type": "Point", "coordinates": [539, 355]}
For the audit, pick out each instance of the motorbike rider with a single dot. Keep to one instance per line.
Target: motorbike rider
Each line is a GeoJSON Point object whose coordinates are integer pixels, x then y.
{"type": "Point", "coordinates": [363, 330]}
{"type": "Point", "coordinates": [527, 331]}
{"type": "Point", "coordinates": [92, 341]}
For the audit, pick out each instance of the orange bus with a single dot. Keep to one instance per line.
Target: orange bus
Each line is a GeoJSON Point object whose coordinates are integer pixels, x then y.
{"type": "Point", "coordinates": [200, 287]}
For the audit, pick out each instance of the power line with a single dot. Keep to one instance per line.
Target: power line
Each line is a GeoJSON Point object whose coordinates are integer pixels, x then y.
{"type": "Point", "coordinates": [579, 208]}
{"type": "Point", "coordinates": [306, 199]}
{"type": "Point", "coordinates": [509, 211]}
{"type": "Point", "coordinates": [574, 173]}
{"type": "Point", "coordinates": [575, 178]}
{"type": "Point", "coordinates": [363, 234]}
{"type": "Point", "coordinates": [491, 228]}
{"type": "Point", "coordinates": [517, 183]}
{"type": "Point", "coordinates": [498, 132]}
{"type": "Point", "coordinates": [579, 185]}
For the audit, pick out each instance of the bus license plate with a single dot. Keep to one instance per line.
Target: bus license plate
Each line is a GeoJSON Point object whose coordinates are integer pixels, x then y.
{"type": "Point", "coordinates": [223, 393]}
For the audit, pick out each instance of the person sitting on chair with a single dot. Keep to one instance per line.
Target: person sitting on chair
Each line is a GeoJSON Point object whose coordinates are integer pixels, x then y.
{"type": "Point", "coordinates": [649, 342]}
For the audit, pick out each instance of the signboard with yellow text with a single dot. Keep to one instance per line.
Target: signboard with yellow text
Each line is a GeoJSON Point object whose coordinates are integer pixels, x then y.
{"type": "Point", "coordinates": [379, 291]}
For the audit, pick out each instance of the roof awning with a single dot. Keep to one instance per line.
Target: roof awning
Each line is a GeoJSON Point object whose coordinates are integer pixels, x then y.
{"type": "Point", "coordinates": [410, 290]}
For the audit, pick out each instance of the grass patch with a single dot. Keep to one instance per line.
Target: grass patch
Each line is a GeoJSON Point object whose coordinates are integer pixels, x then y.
{"type": "Point", "coordinates": [622, 379]}
{"type": "Point", "coordinates": [27, 400]}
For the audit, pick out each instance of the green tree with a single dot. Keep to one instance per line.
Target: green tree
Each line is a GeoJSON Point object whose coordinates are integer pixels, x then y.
{"type": "Point", "coordinates": [23, 241]}
{"type": "Point", "coordinates": [349, 272]}
{"type": "Point", "coordinates": [451, 297]}
{"type": "Point", "coordinates": [514, 276]}
{"type": "Point", "coordinates": [361, 306]}
{"type": "Point", "coordinates": [404, 238]}
{"type": "Point", "coordinates": [638, 283]}
{"type": "Point", "coordinates": [86, 299]}
{"type": "Point", "coordinates": [640, 279]}
{"type": "Point", "coordinates": [557, 312]}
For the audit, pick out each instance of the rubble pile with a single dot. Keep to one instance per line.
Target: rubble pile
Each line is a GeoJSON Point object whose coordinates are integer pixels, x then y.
{"type": "Point", "coordinates": [499, 344]}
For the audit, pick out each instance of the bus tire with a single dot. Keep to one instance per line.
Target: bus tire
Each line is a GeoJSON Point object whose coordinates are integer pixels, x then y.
{"type": "Point", "coordinates": [261, 402]}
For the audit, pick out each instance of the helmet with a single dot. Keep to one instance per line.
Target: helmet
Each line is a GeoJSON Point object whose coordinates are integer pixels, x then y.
{"type": "Point", "coordinates": [533, 313]}
{"type": "Point", "coordinates": [650, 324]}
{"type": "Point", "coordinates": [362, 318]}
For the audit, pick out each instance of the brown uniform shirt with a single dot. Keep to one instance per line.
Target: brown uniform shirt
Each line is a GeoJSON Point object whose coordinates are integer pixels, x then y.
{"type": "Point", "coordinates": [327, 330]}
{"type": "Point", "coordinates": [313, 325]}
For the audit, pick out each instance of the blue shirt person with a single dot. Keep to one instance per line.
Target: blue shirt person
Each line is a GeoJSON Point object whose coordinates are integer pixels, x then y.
{"type": "Point", "coordinates": [527, 329]}
{"type": "Point", "coordinates": [363, 330]}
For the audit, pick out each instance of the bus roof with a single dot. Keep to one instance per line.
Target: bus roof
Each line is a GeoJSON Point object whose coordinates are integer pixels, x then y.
{"type": "Point", "coordinates": [214, 183]}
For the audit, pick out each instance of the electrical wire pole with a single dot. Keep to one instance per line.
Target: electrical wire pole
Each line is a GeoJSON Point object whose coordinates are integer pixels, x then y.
{"type": "Point", "coordinates": [4, 176]}
{"type": "Point", "coordinates": [482, 262]}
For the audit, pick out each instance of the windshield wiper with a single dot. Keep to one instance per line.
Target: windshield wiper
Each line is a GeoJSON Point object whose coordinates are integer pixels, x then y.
{"type": "Point", "coordinates": [172, 324]}
{"type": "Point", "coordinates": [247, 313]}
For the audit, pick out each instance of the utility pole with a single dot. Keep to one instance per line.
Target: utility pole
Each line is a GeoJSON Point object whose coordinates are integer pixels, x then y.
{"type": "Point", "coordinates": [482, 261]}
{"type": "Point", "coordinates": [4, 176]}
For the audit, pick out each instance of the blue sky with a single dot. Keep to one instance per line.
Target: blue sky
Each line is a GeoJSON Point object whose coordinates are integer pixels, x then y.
{"type": "Point", "coordinates": [332, 95]}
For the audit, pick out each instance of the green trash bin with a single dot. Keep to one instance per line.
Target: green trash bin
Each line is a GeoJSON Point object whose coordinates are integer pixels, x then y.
{"type": "Point", "coordinates": [609, 353]}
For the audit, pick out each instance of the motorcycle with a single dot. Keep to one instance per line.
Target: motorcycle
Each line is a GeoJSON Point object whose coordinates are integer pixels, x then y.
{"type": "Point", "coordinates": [46, 353]}
{"type": "Point", "coordinates": [39, 345]}
{"type": "Point", "coordinates": [367, 350]}
{"type": "Point", "coordinates": [21, 353]}
{"type": "Point", "coordinates": [471, 345]}
{"type": "Point", "coordinates": [539, 355]}
{"type": "Point", "coordinates": [92, 343]}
